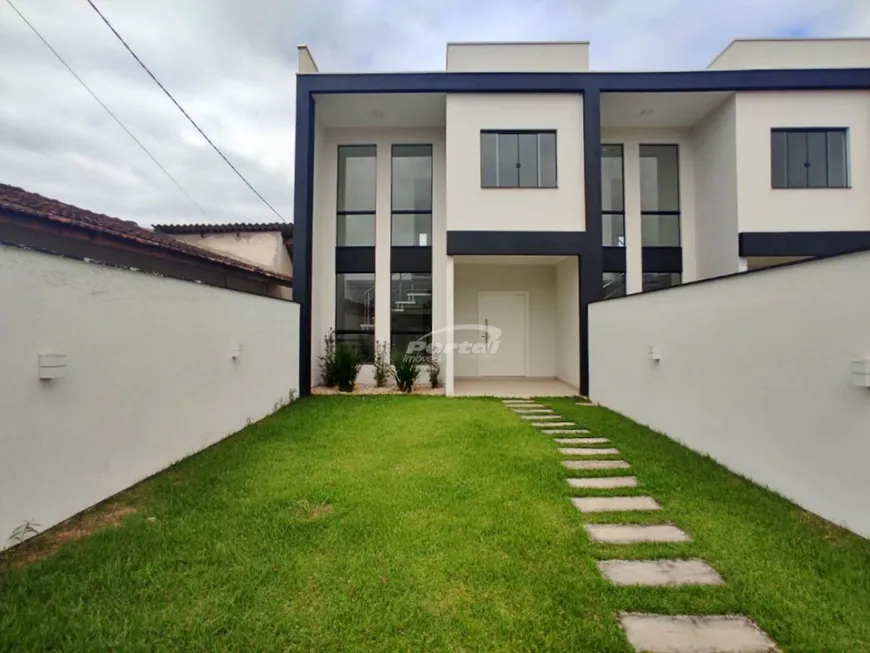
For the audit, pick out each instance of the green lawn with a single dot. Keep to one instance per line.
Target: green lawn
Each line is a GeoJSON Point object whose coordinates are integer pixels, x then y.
{"type": "Point", "coordinates": [419, 524]}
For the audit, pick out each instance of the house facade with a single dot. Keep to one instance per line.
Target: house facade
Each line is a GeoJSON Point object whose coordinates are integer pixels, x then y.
{"type": "Point", "coordinates": [517, 187]}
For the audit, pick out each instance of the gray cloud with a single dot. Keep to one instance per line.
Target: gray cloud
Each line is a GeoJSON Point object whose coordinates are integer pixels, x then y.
{"type": "Point", "coordinates": [232, 65]}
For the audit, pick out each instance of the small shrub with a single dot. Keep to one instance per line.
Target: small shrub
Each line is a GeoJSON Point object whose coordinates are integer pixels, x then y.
{"type": "Point", "coordinates": [434, 373]}
{"type": "Point", "coordinates": [405, 371]}
{"type": "Point", "coordinates": [326, 362]}
{"type": "Point", "coordinates": [347, 364]}
{"type": "Point", "coordinates": [382, 364]}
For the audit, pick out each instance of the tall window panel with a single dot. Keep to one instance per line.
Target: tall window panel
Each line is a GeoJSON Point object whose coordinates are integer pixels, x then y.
{"type": "Point", "coordinates": [614, 284]}
{"type": "Point", "coordinates": [612, 196]}
{"type": "Point", "coordinates": [658, 280]}
{"type": "Point", "coordinates": [660, 195]}
{"type": "Point", "coordinates": [809, 158]}
{"type": "Point", "coordinates": [518, 159]}
{"type": "Point", "coordinates": [411, 196]}
{"type": "Point", "coordinates": [357, 188]}
{"type": "Point", "coordinates": [355, 312]}
{"type": "Point", "coordinates": [411, 311]}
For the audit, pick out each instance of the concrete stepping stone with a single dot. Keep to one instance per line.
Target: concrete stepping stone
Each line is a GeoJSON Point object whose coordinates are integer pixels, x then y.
{"type": "Point", "coordinates": [587, 451]}
{"type": "Point", "coordinates": [549, 425]}
{"type": "Point", "coordinates": [580, 440]}
{"type": "Point", "coordinates": [562, 431]}
{"type": "Point", "coordinates": [602, 482]}
{"type": "Point", "coordinates": [659, 573]}
{"type": "Point", "coordinates": [517, 401]}
{"type": "Point", "coordinates": [614, 504]}
{"type": "Point", "coordinates": [654, 633]}
{"type": "Point", "coordinates": [595, 464]}
{"type": "Point", "coordinates": [532, 411]}
{"type": "Point", "coordinates": [551, 416]}
{"type": "Point", "coordinates": [583, 403]}
{"type": "Point", "coordinates": [631, 533]}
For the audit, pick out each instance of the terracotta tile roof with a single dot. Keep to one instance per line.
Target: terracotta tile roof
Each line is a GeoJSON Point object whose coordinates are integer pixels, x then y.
{"type": "Point", "coordinates": [232, 228]}
{"type": "Point", "coordinates": [52, 211]}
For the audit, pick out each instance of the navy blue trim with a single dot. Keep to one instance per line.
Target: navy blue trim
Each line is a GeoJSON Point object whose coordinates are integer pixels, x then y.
{"type": "Point", "coordinates": [662, 259]}
{"type": "Point", "coordinates": [614, 259]}
{"type": "Point", "coordinates": [802, 243]}
{"type": "Point", "coordinates": [354, 260]}
{"type": "Point", "coordinates": [592, 257]}
{"type": "Point", "coordinates": [411, 259]}
{"type": "Point", "coordinates": [520, 243]}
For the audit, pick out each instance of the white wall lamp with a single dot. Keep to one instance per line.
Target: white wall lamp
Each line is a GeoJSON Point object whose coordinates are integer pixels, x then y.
{"type": "Point", "coordinates": [655, 353]}
{"type": "Point", "coordinates": [861, 372]}
{"type": "Point", "coordinates": [236, 352]}
{"type": "Point", "coordinates": [52, 366]}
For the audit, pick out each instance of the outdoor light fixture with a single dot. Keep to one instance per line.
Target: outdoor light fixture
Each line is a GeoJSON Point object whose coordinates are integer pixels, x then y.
{"type": "Point", "coordinates": [861, 372]}
{"type": "Point", "coordinates": [52, 366]}
{"type": "Point", "coordinates": [655, 353]}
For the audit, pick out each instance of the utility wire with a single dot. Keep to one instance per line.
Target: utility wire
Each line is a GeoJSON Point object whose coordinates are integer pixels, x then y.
{"type": "Point", "coordinates": [107, 109]}
{"type": "Point", "coordinates": [180, 108]}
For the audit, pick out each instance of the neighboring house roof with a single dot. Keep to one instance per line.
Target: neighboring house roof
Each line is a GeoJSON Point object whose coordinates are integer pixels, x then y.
{"type": "Point", "coordinates": [57, 213]}
{"type": "Point", "coordinates": [233, 228]}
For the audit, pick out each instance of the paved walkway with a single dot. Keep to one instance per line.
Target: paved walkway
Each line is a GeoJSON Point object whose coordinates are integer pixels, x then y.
{"type": "Point", "coordinates": [651, 633]}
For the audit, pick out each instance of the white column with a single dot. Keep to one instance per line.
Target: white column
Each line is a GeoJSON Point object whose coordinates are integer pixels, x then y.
{"type": "Point", "coordinates": [633, 250]}
{"type": "Point", "coordinates": [382, 243]}
{"type": "Point", "coordinates": [448, 320]}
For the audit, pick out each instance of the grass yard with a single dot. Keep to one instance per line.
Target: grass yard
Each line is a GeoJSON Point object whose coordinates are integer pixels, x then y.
{"type": "Point", "coordinates": [417, 524]}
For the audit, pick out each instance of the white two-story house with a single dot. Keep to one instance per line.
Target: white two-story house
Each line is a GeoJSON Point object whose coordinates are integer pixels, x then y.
{"type": "Point", "coordinates": [518, 186]}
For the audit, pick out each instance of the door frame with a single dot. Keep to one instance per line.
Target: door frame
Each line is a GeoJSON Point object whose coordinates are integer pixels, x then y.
{"type": "Point", "coordinates": [525, 294]}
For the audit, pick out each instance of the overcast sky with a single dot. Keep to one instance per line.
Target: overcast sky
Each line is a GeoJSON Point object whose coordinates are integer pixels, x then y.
{"type": "Point", "coordinates": [231, 64]}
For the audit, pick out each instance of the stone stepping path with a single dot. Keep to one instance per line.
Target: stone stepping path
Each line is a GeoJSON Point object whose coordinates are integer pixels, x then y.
{"type": "Point", "coordinates": [549, 425]}
{"type": "Point", "coordinates": [602, 483]}
{"type": "Point", "coordinates": [659, 573]}
{"type": "Point", "coordinates": [551, 415]}
{"type": "Point", "coordinates": [533, 411]}
{"type": "Point", "coordinates": [595, 464]}
{"type": "Point", "coordinates": [562, 431]}
{"type": "Point", "coordinates": [513, 402]}
{"type": "Point", "coordinates": [653, 633]}
{"type": "Point", "coordinates": [588, 451]}
{"type": "Point", "coordinates": [631, 533]}
{"type": "Point", "coordinates": [579, 440]}
{"type": "Point", "coordinates": [614, 504]}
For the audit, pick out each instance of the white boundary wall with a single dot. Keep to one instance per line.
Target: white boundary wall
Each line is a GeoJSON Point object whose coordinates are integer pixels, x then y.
{"type": "Point", "coordinates": [150, 378]}
{"type": "Point", "coordinates": [755, 372]}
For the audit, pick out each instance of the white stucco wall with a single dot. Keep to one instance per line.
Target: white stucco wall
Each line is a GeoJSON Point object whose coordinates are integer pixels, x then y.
{"type": "Point", "coordinates": [568, 321]}
{"type": "Point", "coordinates": [538, 280]}
{"type": "Point", "coordinates": [755, 372]}
{"type": "Point", "coordinates": [264, 248]}
{"type": "Point", "coordinates": [793, 53]}
{"type": "Point", "coordinates": [762, 208]}
{"type": "Point", "coordinates": [715, 145]}
{"type": "Point", "coordinates": [472, 208]}
{"type": "Point", "coordinates": [518, 57]}
{"type": "Point", "coordinates": [150, 378]}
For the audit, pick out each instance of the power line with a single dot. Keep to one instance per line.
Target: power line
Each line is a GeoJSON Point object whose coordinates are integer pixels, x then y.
{"type": "Point", "coordinates": [180, 108]}
{"type": "Point", "coordinates": [107, 109]}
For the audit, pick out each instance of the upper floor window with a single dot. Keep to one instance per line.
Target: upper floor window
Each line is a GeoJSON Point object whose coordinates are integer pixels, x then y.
{"type": "Point", "coordinates": [660, 195]}
{"type": "Point", "coordinates": [411, 195]}
{"type": "Point", "coordinates": [809, 158]}
{"type": "Point", "coordinates": [357, 187]}
{"type": "Point", "coordinates": [612, 196]}
{"type": "Point", "coordinates": [518, 159]}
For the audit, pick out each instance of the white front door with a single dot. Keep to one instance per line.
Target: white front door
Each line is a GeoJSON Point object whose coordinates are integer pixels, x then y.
{"type": "Point", "coordinates": [504, 310]}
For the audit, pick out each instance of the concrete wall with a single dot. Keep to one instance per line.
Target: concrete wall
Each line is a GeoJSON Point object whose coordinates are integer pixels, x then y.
{"type": "Point", "coordinates": [472, 208]}
{"type": "Point", "coordinates": [517, 57]}
{"type": "Point", "coordinates": [762, 208]}
{"type": "Point", "coordinates": [263, 248]}
{"type": "Point", "coordinates": [150, 378]}
{"type": "Point", "coordinates": [793, 53]}
{"type": "Point", "coordinates": [568, 321]}
{"type": "Point", "coordinates": [755, 372]}
{"type": "Point", "coordinates": [538, 280]}
{"type": "Point", "coordinates": [715, 145]}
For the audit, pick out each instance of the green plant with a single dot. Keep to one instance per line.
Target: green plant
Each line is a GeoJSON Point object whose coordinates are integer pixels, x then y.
{"type": "Point", "coordinates": [405, 371]}
{"type": "Point", "coordinates": [326, 362]}
{"type": "Point", "coordinates": [382, 364]}
{"type": "Point", "coordinates": [347, 364]}
{"type": "Point", "coordinates": [434, 372]}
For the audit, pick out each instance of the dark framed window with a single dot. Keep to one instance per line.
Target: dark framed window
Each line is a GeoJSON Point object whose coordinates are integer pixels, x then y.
{"type": "Point", "coordinates": [612, 196]}
{"type": "Point", "coordinates": [355, 312]}
{"type": "Point", "coordinates": [657, 280]}
{"type": "Point", "coordinates": [411, 188]}
{"type": "Point", "coordinates": [614, 284]}
{"type": "Point", "coordinates": [660, 195]}
{"type": "Point", "coordinates": [809, 158]}
{"type": "Point", "coordinates": [410, 310]}
{"type": "Point", "coordinates": [357, 189]}
{"type": "Point", "coordinates": [518, 159]}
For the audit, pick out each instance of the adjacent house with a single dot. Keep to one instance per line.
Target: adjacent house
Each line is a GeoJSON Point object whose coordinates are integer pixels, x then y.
{"type": "Point", "coordinates": [517, 187]}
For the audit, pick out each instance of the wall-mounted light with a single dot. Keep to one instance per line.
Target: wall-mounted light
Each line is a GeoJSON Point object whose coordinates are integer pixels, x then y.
{"type": "Point", "coordinates": [236, 352]}
{"type": "Point", "coordinates": [861, 372]}
{"type": "Point", "coordinates": [52, 366]}
{"type": "Point", "coordinates": [655, 353]}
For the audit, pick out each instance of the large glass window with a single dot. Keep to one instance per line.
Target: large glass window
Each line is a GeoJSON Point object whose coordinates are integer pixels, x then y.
{"type": "Point", "coordinates": [657, 280]}
{"type": "Point", "coordinates": [355, 312]}
{"type": "Point", "coordinates": [518, 159]}
{"type": "Point", "coordinates": [660, 195]}
{"type": "Point", "coordinates": [809, 158]}
{"type": "Point", "coordinates": [612, 196]}
{"type": "Point", "coordinates": [412, 195]}
{"type": "Point", "coordinates": [410, 310]}
{"type": "Point", "coordinates": [614, 284]}
{"type": "Point", "coordinates": [357, 188]}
